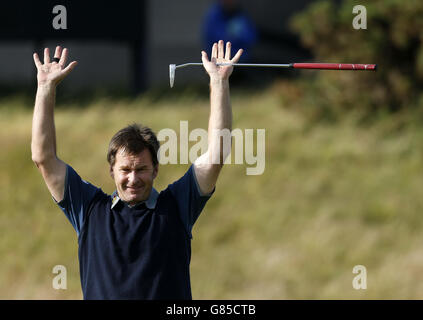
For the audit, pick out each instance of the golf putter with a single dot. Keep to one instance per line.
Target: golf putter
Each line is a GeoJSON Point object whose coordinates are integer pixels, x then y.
{"type": "Point", "coordinates": [321, 66]}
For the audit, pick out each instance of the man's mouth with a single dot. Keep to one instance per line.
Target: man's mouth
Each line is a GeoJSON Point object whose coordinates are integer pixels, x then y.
{"type": "Point", "coordinates": [133, 188]}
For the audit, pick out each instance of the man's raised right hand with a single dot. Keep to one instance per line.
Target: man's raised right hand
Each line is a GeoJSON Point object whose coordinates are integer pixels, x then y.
{"type": "Point", "coordinates": [52, 73]}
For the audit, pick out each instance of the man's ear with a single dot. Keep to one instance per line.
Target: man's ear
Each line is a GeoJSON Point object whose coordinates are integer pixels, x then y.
{"type": "Point", "coordinates": [112, 173]}
{"type": "Point", "coordinates": [155, 171]}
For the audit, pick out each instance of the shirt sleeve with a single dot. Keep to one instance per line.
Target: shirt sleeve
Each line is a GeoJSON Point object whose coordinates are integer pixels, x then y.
{"type": "Point", "coordinates": [189, 198]}
{"type": "Point", "coordinates": [77, 198]}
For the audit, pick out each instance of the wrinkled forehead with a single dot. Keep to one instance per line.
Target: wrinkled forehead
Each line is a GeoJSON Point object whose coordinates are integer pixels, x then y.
{"type": "Point", "coordinates": [124, 158]}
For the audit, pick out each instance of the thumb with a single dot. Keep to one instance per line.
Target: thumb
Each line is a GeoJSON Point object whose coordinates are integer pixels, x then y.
{"type": "Point", "coordinates": [69, 68]}
{"type": "Point", "coordinates": [204, 57]}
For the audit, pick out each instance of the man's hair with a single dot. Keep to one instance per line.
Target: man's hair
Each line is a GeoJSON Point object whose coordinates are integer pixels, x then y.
{"type": "Point", "coordinates": [133, 139]}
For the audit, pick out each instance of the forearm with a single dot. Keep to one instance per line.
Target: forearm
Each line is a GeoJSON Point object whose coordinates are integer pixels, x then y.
{"type": "Point", "coordinates": [220, 121]}
{"type": "Point", "coordinates": [43, 144]}
{"type": "Point", "coordinates": [208, 166]}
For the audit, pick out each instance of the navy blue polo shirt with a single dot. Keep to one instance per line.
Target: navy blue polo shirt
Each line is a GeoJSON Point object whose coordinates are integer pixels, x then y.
{"type": "Point", "coordinates": [139, 252]}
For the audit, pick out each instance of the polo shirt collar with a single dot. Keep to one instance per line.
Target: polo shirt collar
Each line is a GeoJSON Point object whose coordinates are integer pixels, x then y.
{"type": "Point", "coordinates": [150, 203]}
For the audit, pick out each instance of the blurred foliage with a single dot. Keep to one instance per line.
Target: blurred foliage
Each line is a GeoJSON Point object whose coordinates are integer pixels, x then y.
{"type": "Point", "coordinates": [332, 196]}
{"type": "Point", "coordinates": [393, 40]}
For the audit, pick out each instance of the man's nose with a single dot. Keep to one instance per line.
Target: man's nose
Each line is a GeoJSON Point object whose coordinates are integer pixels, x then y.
{"type": "Point", "coordinates": [132, 176]}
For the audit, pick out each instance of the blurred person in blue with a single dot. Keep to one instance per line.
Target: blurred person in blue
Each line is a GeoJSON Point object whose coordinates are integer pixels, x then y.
{"type": "Point", "coordinates": [226, 20]}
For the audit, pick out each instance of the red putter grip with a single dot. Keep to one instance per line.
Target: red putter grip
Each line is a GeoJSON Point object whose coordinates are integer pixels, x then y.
{"type": "Point", "coordinates": [335, 66]}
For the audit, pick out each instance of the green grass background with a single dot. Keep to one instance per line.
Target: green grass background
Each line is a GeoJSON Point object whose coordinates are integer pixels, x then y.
{"type": "Point", "coordinates": [332, 196]}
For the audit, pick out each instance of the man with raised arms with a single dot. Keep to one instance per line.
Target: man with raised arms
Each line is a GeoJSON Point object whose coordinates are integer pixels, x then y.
{"type": "Point", "coordinates": [135, 243]}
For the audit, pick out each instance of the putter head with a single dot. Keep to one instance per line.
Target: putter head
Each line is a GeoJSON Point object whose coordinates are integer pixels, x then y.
{"type": "Point", "coordinates": [172, 69]}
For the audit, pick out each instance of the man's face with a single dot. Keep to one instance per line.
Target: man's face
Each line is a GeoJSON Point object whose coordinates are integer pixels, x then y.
{"type": "Point", "coordinates": [133, 175]}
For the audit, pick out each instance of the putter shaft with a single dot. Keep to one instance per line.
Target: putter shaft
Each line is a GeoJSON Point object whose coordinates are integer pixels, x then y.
{"type": "Point", "coordinates": [321, 66]}
{"type": "Point", "coordinates": [285, 65]}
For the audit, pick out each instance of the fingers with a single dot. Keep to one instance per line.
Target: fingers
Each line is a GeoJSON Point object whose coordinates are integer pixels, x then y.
{"type": "Point", "coordinates": [237, 56]}
{"type": "Point", "coordinates": [214, 51]}
{"type": "Point", "coordinates": [228, 51]}
{"type": "Point", "coordinates": [58, 52]}
{"type": "Point", "coordinates": [220, 54]}
{"type": "Point", "coordinates": [46, 55]}
{"type": "Point", "coordinates": [63, 57]}
{"type": "Point", "coordinates": [37, 61]}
